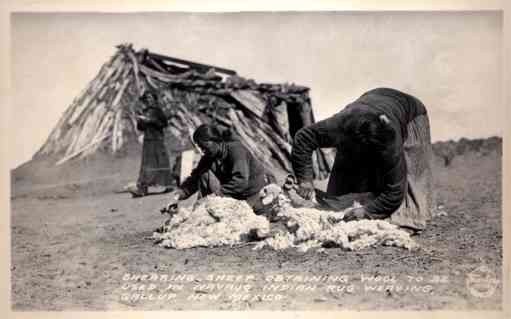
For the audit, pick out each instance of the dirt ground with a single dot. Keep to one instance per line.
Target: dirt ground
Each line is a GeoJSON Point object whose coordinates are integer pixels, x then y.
{"type": "Point", "coordinates": [78, 245]}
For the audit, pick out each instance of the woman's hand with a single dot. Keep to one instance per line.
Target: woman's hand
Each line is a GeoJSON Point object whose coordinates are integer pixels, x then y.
{"type": "Point", "coordinates": [175, 197]}
{"type": "Point", "coordinates": [305, 190]}
{"type": "Point", "coordinates": [356, 213]}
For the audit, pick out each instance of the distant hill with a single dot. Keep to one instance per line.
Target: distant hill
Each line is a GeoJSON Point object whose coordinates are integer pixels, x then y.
{"type": "Point", "coordinates": [448, 150]}
{"type": "Point", "coordinates": [105, 172]}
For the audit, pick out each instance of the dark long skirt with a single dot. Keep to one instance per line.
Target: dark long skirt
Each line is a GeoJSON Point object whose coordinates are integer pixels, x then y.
{"type": "Point", "coordinates": [155, 167]}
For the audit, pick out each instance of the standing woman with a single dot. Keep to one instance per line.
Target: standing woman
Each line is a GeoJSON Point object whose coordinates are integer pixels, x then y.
{"type": "Point", "coordinates": [155, 167]}
{"type": "Point", "coordinates": [226, 168]}
{"type": "Point", "coordinates": [383, 147]}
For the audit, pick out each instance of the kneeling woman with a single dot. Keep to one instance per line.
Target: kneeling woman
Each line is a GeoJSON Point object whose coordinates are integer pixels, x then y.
{"type": "Point", "coordinates": [226, 169]}
{"type": "Point", "coordinates": [384, 148]}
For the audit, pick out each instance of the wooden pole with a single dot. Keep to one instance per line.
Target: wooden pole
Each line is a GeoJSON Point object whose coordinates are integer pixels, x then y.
{"type": "Point", "coordinates": [76, 153]}
{"type": "Point", "coordinates": [192, 64]}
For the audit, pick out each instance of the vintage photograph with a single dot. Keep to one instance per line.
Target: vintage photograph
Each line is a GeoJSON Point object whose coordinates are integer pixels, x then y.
{"type": "Point", "coordinates": [256, 161]}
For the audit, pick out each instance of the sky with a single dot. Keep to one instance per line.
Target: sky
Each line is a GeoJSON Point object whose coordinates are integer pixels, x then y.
{"type": "Point", "coordinates": [449, 60]}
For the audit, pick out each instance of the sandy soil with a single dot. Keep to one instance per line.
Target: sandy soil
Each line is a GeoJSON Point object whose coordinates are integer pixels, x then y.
{"type": "Point", "coordinates": [74, 240]}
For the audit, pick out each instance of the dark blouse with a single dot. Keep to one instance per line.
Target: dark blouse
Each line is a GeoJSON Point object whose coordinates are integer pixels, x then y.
{"type": "Point", "coordinates": [240, 174]}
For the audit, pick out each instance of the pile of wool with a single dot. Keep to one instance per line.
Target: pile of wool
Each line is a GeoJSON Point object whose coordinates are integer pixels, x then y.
{"type": "Point", "coordinates": [311, 227]}
{"type": "Point", "coordinates": [215, 221]}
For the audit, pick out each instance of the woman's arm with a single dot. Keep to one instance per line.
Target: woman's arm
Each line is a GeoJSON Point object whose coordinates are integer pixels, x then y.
{"type": "Point", "coordinates": [324, 133]}
{"type": "Point", "coordinates": [394, 191]}
{"type": "Point", "coordinates": [191, 183]}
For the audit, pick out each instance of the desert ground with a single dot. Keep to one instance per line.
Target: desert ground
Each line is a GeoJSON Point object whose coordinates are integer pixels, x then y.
{"type": "Point", "coordinates": [77, 244]}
